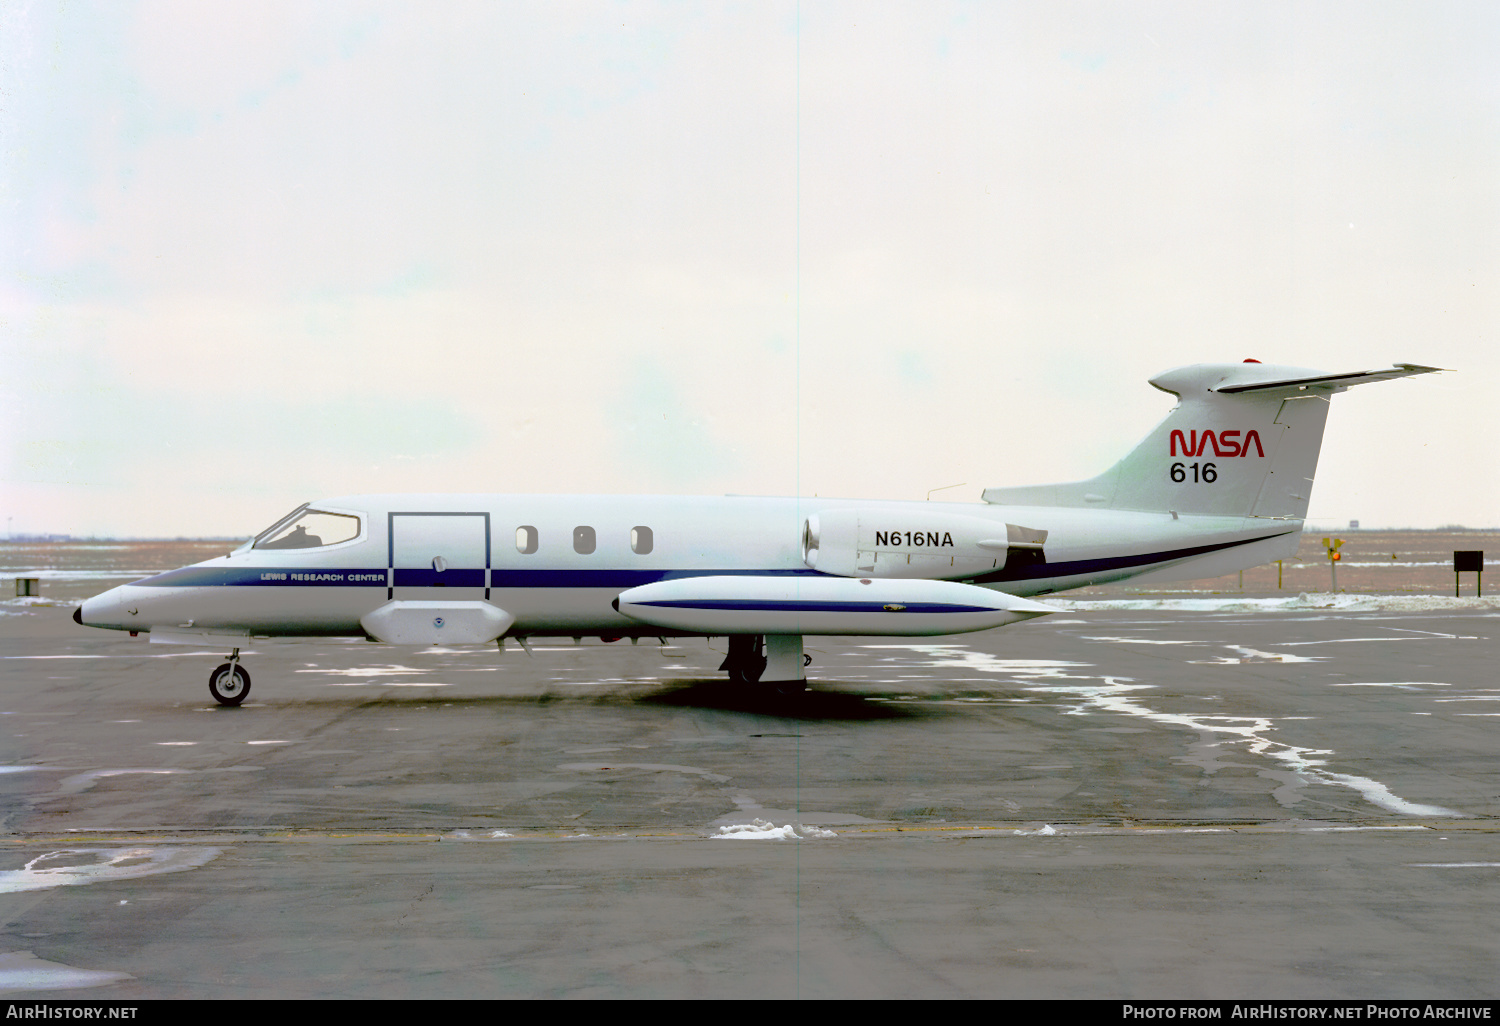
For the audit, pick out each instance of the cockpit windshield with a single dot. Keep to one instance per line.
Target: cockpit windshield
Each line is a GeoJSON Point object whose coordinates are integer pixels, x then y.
{"type": "Point", "coordinates": [307, 528]}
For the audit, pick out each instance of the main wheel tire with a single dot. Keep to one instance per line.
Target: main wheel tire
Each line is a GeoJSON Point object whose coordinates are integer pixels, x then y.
{"type": "Point", "coordinates": [229, 684]}
{"type": "Point", "coordinates": [749, 671]}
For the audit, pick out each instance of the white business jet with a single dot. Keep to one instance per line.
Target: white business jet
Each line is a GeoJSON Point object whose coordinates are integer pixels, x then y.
{"type": "Point", "coordinates": [1221, 484]}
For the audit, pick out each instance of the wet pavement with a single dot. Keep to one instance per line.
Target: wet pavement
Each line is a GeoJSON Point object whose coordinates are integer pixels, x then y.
{"type": "Point", "coordinates": [1105, 803]}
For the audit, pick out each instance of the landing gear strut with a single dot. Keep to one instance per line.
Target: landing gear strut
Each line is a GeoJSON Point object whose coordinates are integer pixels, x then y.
{"type": "Point", "coordinates": [229, 684]}
{"type": "Point", "coordinates": [776, 660]}
{"type": "Point", "coordinates": [745, 661]}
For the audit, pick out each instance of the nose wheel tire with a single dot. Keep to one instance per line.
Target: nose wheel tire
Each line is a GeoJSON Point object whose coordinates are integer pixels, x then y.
{"type": "Point", "coordinates": [229, 684]}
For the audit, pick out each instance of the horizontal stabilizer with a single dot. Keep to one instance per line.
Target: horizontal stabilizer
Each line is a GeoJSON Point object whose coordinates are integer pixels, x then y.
{"type": "Point", "coordinates": [1338, 381]}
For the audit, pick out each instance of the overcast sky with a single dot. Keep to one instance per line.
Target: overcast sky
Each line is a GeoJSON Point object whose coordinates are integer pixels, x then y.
{"type": "Point", "coordinates": [255, 253]}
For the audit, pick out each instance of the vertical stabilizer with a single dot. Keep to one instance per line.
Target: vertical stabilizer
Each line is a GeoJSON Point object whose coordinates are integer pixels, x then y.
{"type": "Point", "coordinates": [1243, 440]}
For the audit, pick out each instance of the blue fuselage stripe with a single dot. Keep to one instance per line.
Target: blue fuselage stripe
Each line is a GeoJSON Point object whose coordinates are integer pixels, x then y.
{"type": "Point", "coordinates": [451, 578]}
{"type": "Point", "coordinates": [1109, 564]}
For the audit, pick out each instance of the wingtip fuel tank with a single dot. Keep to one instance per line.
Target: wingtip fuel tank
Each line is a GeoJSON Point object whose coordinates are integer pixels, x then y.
{"type": "Point", "coordinates": [824, 605]}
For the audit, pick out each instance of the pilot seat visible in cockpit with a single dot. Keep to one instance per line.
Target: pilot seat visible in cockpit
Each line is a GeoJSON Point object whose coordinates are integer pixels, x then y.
{"type": "Point", "coordinates": [297, 539]}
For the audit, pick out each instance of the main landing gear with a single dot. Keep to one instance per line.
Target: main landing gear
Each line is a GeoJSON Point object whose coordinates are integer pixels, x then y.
{"type": "Point", "coordinates": [745, 661]}
{"type": "Point", "coordinates": [772, 660]}
{"type": "Point", "coordinates": [229, 684]}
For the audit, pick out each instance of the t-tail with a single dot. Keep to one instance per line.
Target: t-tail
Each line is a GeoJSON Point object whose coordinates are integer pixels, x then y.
{"type": "Point", "coordinates": [1242, 442]}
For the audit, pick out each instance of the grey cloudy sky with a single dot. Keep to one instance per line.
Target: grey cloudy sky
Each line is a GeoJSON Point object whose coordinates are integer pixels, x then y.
{"type": "Point", "coordinates": [254, 253]}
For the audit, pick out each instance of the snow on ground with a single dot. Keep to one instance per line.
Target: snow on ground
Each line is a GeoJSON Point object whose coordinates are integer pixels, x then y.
{"type": "Point", "coordinates": [763, 830]}
{"type": "Point", "coordinates": [1342, 602]}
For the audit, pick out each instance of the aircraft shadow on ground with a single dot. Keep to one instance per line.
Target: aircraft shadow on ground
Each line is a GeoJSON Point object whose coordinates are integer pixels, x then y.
{"type": "Point", "coordinates": [765, 700]}
{"type": "Point", "coordinates": [812, 704]}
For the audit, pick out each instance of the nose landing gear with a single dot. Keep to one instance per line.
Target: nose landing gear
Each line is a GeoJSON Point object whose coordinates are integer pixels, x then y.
{"type": "Point", "coordinates": [229, 684]}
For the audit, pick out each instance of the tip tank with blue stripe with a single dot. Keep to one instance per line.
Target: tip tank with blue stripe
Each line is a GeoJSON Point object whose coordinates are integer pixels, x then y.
{"type": "Point", "coordinates": [824, 605]}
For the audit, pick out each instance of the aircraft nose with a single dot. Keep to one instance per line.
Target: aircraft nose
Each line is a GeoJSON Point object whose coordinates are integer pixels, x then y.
{"type": "Point", "coordinates": [106, 610]}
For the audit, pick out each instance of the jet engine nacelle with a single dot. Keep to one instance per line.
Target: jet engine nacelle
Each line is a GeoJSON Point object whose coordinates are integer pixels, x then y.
{"type": "Point", "coordinates": [934, 546]}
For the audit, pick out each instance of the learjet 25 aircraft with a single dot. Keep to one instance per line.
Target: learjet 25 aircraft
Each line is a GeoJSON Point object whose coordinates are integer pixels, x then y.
{"type": "Point", "coordinates": [1220, 485]}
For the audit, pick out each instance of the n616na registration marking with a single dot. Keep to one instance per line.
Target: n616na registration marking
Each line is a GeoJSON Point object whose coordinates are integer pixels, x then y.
{"type": "Point", "coordinates": [914, 539]}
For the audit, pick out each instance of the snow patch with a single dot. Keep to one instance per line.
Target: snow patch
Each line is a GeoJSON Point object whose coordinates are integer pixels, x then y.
{"type": "Point", "coordinates": [764, 830]}
{"type": "Point", "coordinates": [21, 970]}
{"type": "Point", "coordinates": [72, 866]}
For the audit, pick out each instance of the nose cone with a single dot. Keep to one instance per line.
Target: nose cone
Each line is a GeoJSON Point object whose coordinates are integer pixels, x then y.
{"type": "Point", "coordinates": [112, 610]}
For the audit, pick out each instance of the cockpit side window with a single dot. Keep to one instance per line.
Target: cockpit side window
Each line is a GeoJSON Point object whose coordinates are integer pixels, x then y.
{"type": "Point", "coordinates": [285, 521]}
{"type": "Point", "coordinates": [313, 528]}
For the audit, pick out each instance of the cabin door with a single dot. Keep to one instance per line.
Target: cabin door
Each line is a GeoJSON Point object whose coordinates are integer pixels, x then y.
{"type": "Point", "coordinates": [440, 556]}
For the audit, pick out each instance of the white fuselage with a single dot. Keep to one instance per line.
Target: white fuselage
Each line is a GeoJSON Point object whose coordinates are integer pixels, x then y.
{"type": "Point", "coordinates": [585, 551]}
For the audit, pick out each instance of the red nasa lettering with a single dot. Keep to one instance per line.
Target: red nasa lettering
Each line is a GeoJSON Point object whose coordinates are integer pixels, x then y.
{"type": "Point", "coordinates": [1226, 443]}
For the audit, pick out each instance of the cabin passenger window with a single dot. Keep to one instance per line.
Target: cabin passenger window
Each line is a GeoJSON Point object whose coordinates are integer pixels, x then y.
{"type": "Point", "coordinates": [583, 540]}
{"type": "Point", "coordinates": [526, 540]}
{"type": "Point", "coordinates": [640, 540]}
{"type": "Point", "coordinates": [313, 529]}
